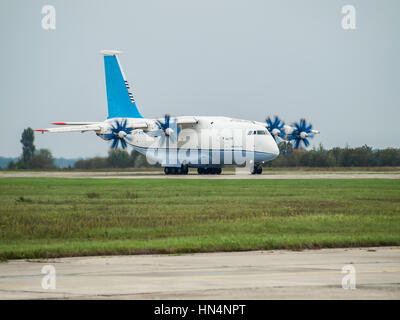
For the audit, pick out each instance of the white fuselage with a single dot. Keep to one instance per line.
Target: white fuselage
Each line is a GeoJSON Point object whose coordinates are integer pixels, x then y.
{"type": "Point", "coordinates": [210, 142]}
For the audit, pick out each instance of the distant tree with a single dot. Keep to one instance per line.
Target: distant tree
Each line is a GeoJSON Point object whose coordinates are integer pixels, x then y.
{"type": "Point", "coordinates": [81, 164]}
{"type": "Point", "coordinates": [285, 148]}
{"type": "Point", "coordinates": [98, 163]}
{"type": "Point", "coordinates": [115, 159]}
{"type": "Point", "coordinates": [388, 157]}
{"type": "Point", "coordinates": [139, 160]}
{"type": "Point", "coordinates": [42, 159]}
{"type": "Point", "coordinates": [335, 154]}
{"type": "Point", "coordinates": [94, 163]}
{"type": "Point", "coordinates": [319, 157]}
{"type": "Point", "coordinates": [28, 148]}
{"type": "Point", "coordinates": [363, 156]}
{"type": "Point", "coordinates": [119, 159]}
{"type": "Point", "coordinates": [345, 157]}
{"type": "Point", "coordinates": [12, 165]}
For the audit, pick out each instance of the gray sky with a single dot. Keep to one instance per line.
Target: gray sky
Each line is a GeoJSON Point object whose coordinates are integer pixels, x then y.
{"type": "Point", "coordinates": [244, 59]}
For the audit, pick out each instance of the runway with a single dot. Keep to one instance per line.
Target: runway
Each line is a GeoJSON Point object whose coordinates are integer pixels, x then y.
{"type": "Point", "coordinates": [310, 274]}
{"type": "Point", "coordinates": [238, 175]}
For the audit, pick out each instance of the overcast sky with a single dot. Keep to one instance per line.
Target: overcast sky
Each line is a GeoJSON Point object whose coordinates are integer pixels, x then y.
{"type": "Point", "coordinates": [237, 58]}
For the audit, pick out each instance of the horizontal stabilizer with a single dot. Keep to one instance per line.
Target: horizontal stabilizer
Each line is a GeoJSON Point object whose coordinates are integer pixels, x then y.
{"type": "Point", "coordinates": [110, 52]}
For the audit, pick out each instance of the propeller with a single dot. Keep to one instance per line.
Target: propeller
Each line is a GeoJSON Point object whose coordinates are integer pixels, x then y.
{"type": "Point", "coordinates": [119, 133]}
{"type": "Point", "coordinates": [300, 134]}
{"type": "Point", "coordinates": [166, 129]}
{"type": "Point", "coordinates": [275, 127]}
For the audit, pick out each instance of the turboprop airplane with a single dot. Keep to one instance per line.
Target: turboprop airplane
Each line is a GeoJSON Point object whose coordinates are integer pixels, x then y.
{"type": "Point", "coordinates": [177, 143]}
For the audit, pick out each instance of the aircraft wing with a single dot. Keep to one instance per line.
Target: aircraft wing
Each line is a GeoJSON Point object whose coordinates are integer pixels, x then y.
{"type": "Point", "coordinates": [73, 123]}
{"type": "Point", "coordinates": [74, 128]}
{"type": "Point", "coordinates": [91, 126]}
{"type": "Point", "coordinates": [186, 120]}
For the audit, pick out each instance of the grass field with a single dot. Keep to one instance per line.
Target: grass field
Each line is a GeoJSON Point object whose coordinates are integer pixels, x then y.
{"type": "Point", "coordinates": [50, 217]}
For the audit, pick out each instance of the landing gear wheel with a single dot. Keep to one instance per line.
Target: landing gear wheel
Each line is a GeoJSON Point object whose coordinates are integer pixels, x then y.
{"type": "Point", "coordinates": [176, 170]}
{"type": "Point", "coordinates": [170, 170]}
{"type": "Point", "coordinates": [209, 170]}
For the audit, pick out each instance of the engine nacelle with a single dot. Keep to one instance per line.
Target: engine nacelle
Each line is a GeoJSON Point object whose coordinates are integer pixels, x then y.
{"type": "Point", "coordinates": [288, 129]}
{"type": "Point", "coordinates": [169, 131]}
{"type": "Point", "coordinates": [275, 132]}
{"type": "Point", "coordinates": [303, 135]}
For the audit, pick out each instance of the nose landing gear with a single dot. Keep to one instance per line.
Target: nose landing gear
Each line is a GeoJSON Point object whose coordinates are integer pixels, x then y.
{"type": "Point", "coordinates": [257, 169]}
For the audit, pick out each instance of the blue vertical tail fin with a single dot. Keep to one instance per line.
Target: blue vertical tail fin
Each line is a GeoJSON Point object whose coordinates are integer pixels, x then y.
{"type": "Point", "coordinates": [121, 103]}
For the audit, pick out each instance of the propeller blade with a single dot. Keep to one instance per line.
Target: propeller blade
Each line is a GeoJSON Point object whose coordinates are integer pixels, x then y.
{"type": "Point", "coordinates": [114, 144]}
{"type": "Point", "coordinates": [119, 132]}
{"type": "Point", "coordinates": [276, 123]}
{"type": "Point", "coordinates": [109, 136]}
{"type": "Point", "coordinates": [301, 133]}
{"type": "Point", "coordinates": [162, 139]}
{"type": "Point", "coordinates": [173, 138]}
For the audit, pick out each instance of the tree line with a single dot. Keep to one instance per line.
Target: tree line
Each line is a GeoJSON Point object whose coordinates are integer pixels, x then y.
{"type": "Point", "coordinates": [115, 159]}
{"type": "Point", "coordinates": [363, 156]}
{"type": "Point", "coordinates": [31, 158]}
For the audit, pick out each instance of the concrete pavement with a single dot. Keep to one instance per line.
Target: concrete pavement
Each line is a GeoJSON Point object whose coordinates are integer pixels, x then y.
{"type": "Point", "coordinates": [280, 274]}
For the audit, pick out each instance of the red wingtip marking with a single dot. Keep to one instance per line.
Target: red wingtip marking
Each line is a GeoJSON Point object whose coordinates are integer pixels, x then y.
{"type": "Point", "coordinates": [41, 130]}
{"type": "Point", "coordinates": [59, 123]}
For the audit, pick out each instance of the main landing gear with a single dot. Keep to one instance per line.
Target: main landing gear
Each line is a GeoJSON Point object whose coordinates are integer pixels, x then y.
{"type": "Point", "coordinates": [256, 170]}
{"type": "Point", "coordinates": [176, 170]}
{"type": "Point", "coordinates": [209, 170]}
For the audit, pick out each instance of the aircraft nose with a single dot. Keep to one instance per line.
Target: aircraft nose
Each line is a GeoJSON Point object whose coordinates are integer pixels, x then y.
{"type": "Point", "coordinates": [274, 148]}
